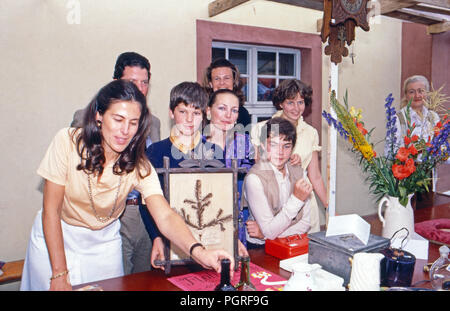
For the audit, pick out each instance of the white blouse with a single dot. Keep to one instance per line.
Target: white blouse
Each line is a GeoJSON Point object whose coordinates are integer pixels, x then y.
{"type": "Point", "coordinates": [424, 127]}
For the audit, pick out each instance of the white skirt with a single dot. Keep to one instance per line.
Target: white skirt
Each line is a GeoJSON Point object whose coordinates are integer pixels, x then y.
{"type": "Point", "coordinates": [91, 255]}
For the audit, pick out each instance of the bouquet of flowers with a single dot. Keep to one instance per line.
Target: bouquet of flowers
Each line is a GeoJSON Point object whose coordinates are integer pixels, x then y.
{"type": "Point", "coordinates": [401, 172]}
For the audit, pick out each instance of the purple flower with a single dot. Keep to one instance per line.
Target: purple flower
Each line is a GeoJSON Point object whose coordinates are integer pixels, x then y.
{"type": "Point", "coordinates": [391, 129]}
{"type": "Point", "coordinates": [438, 144]}
{"type": "Point", "coordinates": [337, 124]}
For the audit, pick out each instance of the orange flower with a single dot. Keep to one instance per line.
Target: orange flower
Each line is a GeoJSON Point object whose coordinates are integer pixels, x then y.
{"type": "Point", "coordinates": [361, 128]}
{"type": "Point", "coordinates": [402, 154]}
{"type": "Point", "coordinates": [400, 171]}
{"type": "Point", "coordinates": [409, 166]}
{"type": "Point", "coordinates": [403, 171]}
{"type": "Point", "coordinates": [407, 140]}
{"type": "Point", "coordinates": [414, 138]}
{"type": "Point", "coordinates": [412, 150]}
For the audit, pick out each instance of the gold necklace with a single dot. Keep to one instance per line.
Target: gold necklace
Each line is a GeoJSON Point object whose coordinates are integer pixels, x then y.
{"type": "Point", "coordinates": [103, 218]}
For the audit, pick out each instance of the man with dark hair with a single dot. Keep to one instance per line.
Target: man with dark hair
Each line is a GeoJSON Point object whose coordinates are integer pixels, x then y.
{"type": "Point", "coordinates": [135, 68]}
{"type": "Point", "coordinates": [136, 241]}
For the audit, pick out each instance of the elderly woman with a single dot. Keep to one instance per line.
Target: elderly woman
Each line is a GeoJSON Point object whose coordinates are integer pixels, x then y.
{"type": "Point", "coordinates": [415, 90]}
{"type": "Point", "coordinates": [88, 174]}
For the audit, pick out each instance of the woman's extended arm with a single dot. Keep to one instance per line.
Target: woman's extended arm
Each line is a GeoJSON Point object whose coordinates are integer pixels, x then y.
{"type": "Point", "coordinates": [51, 222]}
{"type": "Point", "coordinates": [174, 228]}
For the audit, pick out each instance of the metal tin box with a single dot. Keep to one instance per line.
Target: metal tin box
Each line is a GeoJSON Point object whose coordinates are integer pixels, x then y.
{"type": "Point", "coordinates": [333, 253]}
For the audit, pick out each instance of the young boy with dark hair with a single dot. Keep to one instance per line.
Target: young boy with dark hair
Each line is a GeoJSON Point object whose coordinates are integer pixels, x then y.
{"type": "Point", "coordinates": [188, 102]}
{"type": "Point", "coordinates": [276, 193]}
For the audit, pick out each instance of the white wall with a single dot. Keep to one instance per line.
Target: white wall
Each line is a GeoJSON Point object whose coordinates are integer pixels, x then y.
{"type": "Point", "coordinates": [51, 68]}
{"type": "Point", "coordinates": [375, 74]}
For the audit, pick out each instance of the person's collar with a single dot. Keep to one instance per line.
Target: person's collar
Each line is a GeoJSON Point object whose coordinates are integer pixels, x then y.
{"type": "Point", "coordinates": [183, 147]}
{"type": "Point", "coordinates": [278, 172]}
{"type": "Point", "coordinates": [415, 115]}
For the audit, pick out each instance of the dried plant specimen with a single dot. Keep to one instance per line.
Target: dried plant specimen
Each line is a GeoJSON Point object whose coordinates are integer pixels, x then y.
{"type": "Point", "coordinates": [199, 205]}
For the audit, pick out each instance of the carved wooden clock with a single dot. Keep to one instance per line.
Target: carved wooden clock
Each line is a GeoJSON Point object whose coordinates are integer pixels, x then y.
{"type": "Point", "coordinates": [340, 17]}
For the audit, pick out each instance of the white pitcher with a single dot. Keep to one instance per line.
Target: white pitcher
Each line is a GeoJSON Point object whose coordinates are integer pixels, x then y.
{"type": "Point", "coordinates": [396, 217]}
{"type": "Point", "coordinates": [303, 277]}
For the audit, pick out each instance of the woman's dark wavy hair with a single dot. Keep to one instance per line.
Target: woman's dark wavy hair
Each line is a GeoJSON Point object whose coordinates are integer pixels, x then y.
{"type": "Point", "coordinates": [237, 82]}
{"type": "Point", "coordinates": [288, 89]}
{"type": "Point", "coordinates": [89, 141]}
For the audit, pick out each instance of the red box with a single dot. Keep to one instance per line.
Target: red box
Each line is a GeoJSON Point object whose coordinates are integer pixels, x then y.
{"type": "Point", "coordinates": [287, 247]}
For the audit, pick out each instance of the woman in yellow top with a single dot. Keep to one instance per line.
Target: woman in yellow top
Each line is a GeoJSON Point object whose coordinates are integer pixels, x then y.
{"type": "Point", "coordinates": [88, 174]}
{"type": "Point", "coordinates": [290, 98]}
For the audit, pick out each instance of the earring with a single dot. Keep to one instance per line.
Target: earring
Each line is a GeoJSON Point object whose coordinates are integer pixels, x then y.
{"type": "Point", "coordinates": [99, 124]}
{"type": "Point", "coordinates": [208, 116]}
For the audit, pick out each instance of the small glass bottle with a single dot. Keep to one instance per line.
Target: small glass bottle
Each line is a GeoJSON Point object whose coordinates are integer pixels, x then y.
{"type": "Point", "coordinates": [244, 283]}
{"type": "Point", "coordinates": [440, 270]}
{"type": "Point", "coordinates": [225, 284]}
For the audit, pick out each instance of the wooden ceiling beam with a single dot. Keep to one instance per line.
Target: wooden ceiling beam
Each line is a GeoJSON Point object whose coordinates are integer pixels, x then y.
{"type": "Point", "coordinates": [430, 9]}
{"type": "Point", "coordinates": [406, 16]}
{"type": "Point", "coordinates": [438, 3]}
{"type": "Point", "coordinates": [438, 28]}
{"type": "Point", "coordinates": [218, 6]}
{"type": "Point", "coordinates": [387, 6]}
{"type": "Point", "coordinates": [433, 18]}
{"type": "Point", "coordinates": [309, 4]}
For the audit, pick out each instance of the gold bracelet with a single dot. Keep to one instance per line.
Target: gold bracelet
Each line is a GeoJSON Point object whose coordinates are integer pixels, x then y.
{"type": "Point", "coordinates": [59, 275]}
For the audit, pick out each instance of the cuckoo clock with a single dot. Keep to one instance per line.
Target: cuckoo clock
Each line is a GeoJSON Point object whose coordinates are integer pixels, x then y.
{"type": "Point", "coordinates": [340, 18]}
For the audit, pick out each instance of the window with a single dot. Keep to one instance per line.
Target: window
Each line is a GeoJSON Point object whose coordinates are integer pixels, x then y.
{"type": "Point", "coordinates": [262, 68]}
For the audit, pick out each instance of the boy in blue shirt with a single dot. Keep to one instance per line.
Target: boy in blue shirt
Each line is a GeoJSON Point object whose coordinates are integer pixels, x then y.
{"type": "Point", "coordinates": [188, 102]}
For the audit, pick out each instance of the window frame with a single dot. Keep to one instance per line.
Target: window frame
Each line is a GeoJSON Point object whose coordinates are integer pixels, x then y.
{"type": "Point", "coordinates": [310, 45]}
{"type": "Point", "coordinates": [260, 109]}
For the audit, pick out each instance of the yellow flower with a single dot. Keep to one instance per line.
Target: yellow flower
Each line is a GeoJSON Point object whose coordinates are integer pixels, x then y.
{"type": "Point", "coordinates": [366, 151]}
{"type": "Point", "coordinates": [356, 114]}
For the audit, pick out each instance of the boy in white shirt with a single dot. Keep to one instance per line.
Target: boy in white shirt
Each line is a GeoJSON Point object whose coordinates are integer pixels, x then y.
{"type": "Point", "coordinates": [276, 193]}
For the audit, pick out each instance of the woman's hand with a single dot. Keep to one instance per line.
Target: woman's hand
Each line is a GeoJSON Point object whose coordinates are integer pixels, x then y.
{"type": "Point", "coordinates": [157, 252]}
{"type": "Point", "coordinates": [210, 259]}
{"type": "Point", "coordinates": [295, 159]}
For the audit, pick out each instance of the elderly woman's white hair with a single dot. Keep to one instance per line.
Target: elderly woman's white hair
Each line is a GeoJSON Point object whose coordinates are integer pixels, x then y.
{"type": "Point", "coordinates": [412, 79]}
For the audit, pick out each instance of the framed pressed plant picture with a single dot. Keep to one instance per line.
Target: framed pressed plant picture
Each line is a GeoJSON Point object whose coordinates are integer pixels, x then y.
{"type": "Point", "coordinates": [204, 193]}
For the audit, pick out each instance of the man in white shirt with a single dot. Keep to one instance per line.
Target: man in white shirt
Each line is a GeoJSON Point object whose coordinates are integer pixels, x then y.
{"type": "Point", "coordinates": [276, 193]}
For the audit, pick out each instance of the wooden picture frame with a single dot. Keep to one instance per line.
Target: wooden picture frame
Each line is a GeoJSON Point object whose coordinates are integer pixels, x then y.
{"type": "Point", "coordinates": [204, 193]}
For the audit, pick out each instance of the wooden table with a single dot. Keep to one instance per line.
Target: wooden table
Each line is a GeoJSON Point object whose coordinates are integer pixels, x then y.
{"type": "Point", "coordinates": [156, 280]}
